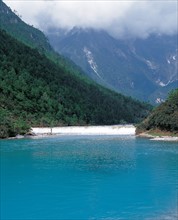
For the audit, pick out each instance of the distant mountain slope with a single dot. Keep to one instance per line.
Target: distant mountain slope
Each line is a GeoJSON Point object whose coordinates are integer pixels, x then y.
{"type": "Point", "coordinates": [164, 117]}
{"type": "Point", "coordinates": [35, 91]}
{"type": "Point", "coordinates": [140, 68]}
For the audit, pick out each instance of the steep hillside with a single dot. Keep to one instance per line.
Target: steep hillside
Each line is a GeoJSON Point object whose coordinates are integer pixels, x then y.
{"type": "Point", "coordinates": [35, 91]}
{"type": "Point", "coordinates": [12, 23]}
{"type": "Point", "coordinates": [29, 35]}
{"type": "Point", "coordinates": [164, 117]}
{"type": "Point", "coordinates": [143, 68]}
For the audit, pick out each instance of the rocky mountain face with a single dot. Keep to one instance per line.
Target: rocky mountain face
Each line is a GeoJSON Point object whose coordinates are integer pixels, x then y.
{"type": "Point", "coordinates": [143, 68]}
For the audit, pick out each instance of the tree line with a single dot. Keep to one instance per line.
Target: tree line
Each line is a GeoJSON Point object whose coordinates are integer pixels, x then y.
{"type": "Point", "coordinates": [37, 92]}
{"type": "Point", "coordinates": [164, 117]}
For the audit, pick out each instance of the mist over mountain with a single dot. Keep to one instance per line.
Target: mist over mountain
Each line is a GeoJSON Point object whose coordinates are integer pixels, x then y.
{"type": "Point", "coordinates": [128, 46]}
{"type": "Point", "coordinates": [121, 19]}
{"type": "Point", "coordinates": [143, 68]}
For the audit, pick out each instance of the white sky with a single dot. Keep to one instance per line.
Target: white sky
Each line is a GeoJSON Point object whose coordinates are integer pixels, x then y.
{"type": "Point", "coordinates": [120, 18]}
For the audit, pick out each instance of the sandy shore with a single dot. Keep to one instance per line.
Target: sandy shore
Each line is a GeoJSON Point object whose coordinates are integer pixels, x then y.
{"type": "Point", "coordinates": [158, 138]}
{"type": "Point", "coordinates": [86, 130]}
{"type": "Point", "coordinates": [165, 138]}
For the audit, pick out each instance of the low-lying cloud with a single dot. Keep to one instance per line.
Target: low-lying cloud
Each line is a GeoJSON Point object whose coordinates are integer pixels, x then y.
{"type": "Point", "coordinates": [119, 18]}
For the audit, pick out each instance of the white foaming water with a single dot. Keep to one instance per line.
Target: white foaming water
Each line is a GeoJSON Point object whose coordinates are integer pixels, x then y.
{"type": "Point", "coordinates": [88, 130]}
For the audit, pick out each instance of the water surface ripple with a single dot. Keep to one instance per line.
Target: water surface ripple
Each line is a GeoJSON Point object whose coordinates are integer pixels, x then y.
{"type": "Point", "coordinates": [88, 177]}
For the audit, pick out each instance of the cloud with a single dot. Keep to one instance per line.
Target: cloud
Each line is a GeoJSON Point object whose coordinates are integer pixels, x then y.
{"type": "Point", "coordinates": [119, 18]}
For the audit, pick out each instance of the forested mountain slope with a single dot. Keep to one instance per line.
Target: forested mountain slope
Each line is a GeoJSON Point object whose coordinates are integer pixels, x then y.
{"type": "Point", "coordinates": [29, 35]}
{"type": "Point", "coordinates": [12, 23]}
{"type": "Point", "coordinates": [37, 92]}
{"type": "Point", "coordinates": [164, 117]}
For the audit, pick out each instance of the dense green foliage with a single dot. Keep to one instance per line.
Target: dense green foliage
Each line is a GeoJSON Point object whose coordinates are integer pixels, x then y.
{"type": "Point", "coordinates": [10, 125]}
{"type": "Point", "coordinates": [36, 92]}
{"type": "Point", "coordinates": [164, 117]}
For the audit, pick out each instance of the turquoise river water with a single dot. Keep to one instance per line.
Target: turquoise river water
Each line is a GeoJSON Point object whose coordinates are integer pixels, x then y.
{"type": "Point", "coordinates": [88, 177]}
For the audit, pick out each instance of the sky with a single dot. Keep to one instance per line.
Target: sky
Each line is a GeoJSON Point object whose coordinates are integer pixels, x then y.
{"type": "Point", "coordinates": [120, 18]}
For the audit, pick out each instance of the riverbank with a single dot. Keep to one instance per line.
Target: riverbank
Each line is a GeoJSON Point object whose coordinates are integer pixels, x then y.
{"type": "Point", "coordinates": [158, 136]}
{"type": "Point", "coordinates": [130, 130]}
{"type": "Point", "coordinates": [85, 130]}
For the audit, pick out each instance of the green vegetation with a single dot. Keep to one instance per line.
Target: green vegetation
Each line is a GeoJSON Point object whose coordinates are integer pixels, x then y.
{"type": "Point", "coordinates": [164, 118]}
{"type": "Point", "coordinates": [11, 125]}
{"type": "Point", "coordinates": [34, 38]}
{"type": "Point", "coordinates": [18, 29]}
{"type": "Point", "coordinates": [37, 92]}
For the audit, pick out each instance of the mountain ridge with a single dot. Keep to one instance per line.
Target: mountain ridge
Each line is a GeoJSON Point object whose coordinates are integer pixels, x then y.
{"type": "Point", "coordinates": [18, 29]}
{"type": "Point", "coordinates": [138, 67]}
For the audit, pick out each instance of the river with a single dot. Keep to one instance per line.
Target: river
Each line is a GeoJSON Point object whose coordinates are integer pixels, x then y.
{"type": "Point", "coordinates": [88, 177]}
